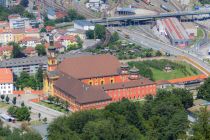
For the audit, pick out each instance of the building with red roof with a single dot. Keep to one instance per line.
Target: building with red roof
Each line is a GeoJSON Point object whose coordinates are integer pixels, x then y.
{"type": "Point", "coordinates": [6, 81]}
{"type": "Point", "coordinates": [67, 40]}
{"type": "Point", "coordinates": [30, 52]}
{"type": "Point", "coordinates": [30, 42]}
{"type": "Point", "coordinates": [94, 81]}
{"type": "Point", "coordinates": [191, 82]}
{"type": "Point", "coordinates": [175, 31]}
{"type": "Point", "coordinates": [5, 52]}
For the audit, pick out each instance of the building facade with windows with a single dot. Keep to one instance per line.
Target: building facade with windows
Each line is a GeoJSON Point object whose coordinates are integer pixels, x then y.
{"type": "Point", "coordinates": [6, 81]}
{"type": "Point", "coordinates": [94, 81]}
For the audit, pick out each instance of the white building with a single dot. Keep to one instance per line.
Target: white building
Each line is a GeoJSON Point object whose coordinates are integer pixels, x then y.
{"type": "Point", "coordinates": [17, 22]}
{"type": "Point", "coordinates": [6, 81]}
{"type": "Point", "coordinates": [83, 25]}
{"type": "Point", "coordinates": [160, 27]}
{"type": "Point", "coordinates": [30, 42]}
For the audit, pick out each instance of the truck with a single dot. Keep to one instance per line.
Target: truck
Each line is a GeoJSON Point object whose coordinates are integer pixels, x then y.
{"type": "Point", "coordinates": [148, 2]}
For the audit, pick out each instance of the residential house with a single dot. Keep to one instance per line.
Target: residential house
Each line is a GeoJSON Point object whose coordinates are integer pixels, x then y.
{"type": "Point", "coordinates": [68, 41]}
{"type": "Point", "coordinates": [30, 52]}
{"type": "Point", "coordinates": [5, 52]}
{"type": "Point", "coordinates": [18, 22]}
{"type": "Point", "coordinates": [83, 25]}
{"type": "Point", "coordinates": [30, 42]}
{"type": "Point", "coordinates": [6, 81]}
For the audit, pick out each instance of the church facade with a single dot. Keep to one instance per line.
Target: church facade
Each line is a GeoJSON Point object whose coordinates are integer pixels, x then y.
{"type": "Point", "coordinates": [94, 81]}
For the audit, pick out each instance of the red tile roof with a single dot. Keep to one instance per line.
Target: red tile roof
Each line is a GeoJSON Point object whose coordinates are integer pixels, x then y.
{"type": "Point", "coordinates": [29, 50]}
{"type": "Point", "coordinates": [5, 48]}
{"type": "Point", "coordinates": [90, 66]}
{"type": "Point", "coordinates": [128, 84]}
{"type": "Point", "coordinates": [6, 75]}
{"type": "Point", "coordinates": [49, 28]}
{"type": "Point", "coordinates": [187, 79]}
{"type": "Point", "coordinates": [25, 39]}
{"type": "Point", "coordinates": [82, 93]}
{"type": "Point", "coordinates": [67, 37]}
{"type": "Point", "coordinates": [60, 14]}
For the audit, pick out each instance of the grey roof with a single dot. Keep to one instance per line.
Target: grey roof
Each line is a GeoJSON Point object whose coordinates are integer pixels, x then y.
{"type": "Point", "coordinates": [125, 9]}
{"type": "Point", "coordinates": [83, 23]}
{"type": "Point", "coordinates": [15, 62]}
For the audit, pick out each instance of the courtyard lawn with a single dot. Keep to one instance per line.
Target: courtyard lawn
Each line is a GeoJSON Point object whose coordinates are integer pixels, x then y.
{"type": "Point", "coordinates": [53, 106]}
{"type": "Point", "coordinates": [155, 69]}
{"type": "Point", "coordinates": [200, 33]}
{"type": "Point", "coordinates": [177, 73]}
{"type": "Point", "coordinates": [162, 75]}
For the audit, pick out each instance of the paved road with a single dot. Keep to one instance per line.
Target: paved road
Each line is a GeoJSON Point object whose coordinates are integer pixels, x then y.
{"type": "Point", "coordinates": [50, 114]}
{"type": "Point", "coordinates": [148, 42]}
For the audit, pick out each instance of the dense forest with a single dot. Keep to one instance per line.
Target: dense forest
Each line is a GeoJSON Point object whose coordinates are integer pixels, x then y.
{"type": "Point", "coordinates": [205, 1]}
{"type": "Point", "coordinates": [162, 117]}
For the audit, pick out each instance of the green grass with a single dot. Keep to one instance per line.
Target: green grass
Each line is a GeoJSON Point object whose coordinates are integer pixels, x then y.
{"type": "Point", "coordinates": [200, 33]}
{"type": "Point", "coordinates": [4, 105]}
{"type": "Point", "coordinates": [53, 106]}
{"type": "Point", "coordinates": [154, 69]}
{"type": "Point", "coordinates": [36, 122]}
{"type": "Point", "coordinates": [176, 73]}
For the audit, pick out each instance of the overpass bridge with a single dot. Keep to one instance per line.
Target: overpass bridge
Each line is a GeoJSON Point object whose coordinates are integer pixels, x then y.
{"type": "Point", "coordinates": [148, 17]}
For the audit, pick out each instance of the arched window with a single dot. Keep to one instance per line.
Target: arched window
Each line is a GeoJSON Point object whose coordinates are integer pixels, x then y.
{"type": "Point", "coordinates": [90, 83]}
{"type": "Point", "coordinates": [112, 80]}
{"type": "Point", "coordinates": [102, 82]}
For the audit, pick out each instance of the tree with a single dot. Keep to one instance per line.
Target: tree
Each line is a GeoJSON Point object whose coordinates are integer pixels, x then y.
{"type": "Point", "coordinates": [7, 99]}
{"type": "Point", "coordinates": [28, 15]}
{"type": "Point", "coordinates": [74, 15]}
{"type": "Point", "coordinates": [22, 113]}
{"type": "Point", "coordinates": [14, 100]}
{"type": "Point", "coordinates": [22, 104]}
{"type": "Point", "coordinates": [39, 116]}
{"type": "Point", "coordinates": [204, 90]}
{"type": "Point", "coordinates": [57, 100]}
{"type": "Point", "coordinates": [39, 78]}
{"type": "Point", "coordinates": [66, 105]}
{"type": "Point", "coordinates": [24, 3]}
{"type": "Point", "coordinates": [100, 31]}
{"type": "Point", "coordinates": [25, 80]}
{"type": "Point", "coordinates": [158, 53]}
{"type": "Point", "coordinates": [16, 52]}
{"type": "Point", "coordinates": [202, 127]}
{"type": "Point", "coordinates": [115, 37]}
{"type": "Point", "coordinates": [160, 118]}
{"type": "Point", "coordinates": [45, 120]}
{"type": "Point", "coordinates": [41, 50]}
{"type": "Point", "coordinates": [90, 34]}
{"type": "Point", "coordinates": [2, 97]}
{"type": "Point", "coordinates": [50, 99]}
{"type": "Point", "coordinates": [43, 30]}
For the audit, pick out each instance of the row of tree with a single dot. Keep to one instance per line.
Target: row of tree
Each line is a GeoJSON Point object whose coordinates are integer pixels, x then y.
{"type": "Point", "coordinates": [16, 134]}
{"type": "Point", "coordinates": [71, 16]}
{"type": "Point", "coordinates": [20, 113]}
{"type": "Point", "coordinates": [34, 81]}
{"type": "Point", "coordinates": [160, 118]}
{"type": "Point", "coordinates": [98, 33]}
{"type": "Point", "coordinates": [18, 9]}
{"type": "Point", "coordinates": [18, 51]}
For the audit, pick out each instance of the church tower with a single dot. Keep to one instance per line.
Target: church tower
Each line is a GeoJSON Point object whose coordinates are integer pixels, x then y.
{"type": "Point", "coordinates": [51, 74]}
{"type": "Point", "coordinates": [52, 60]}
